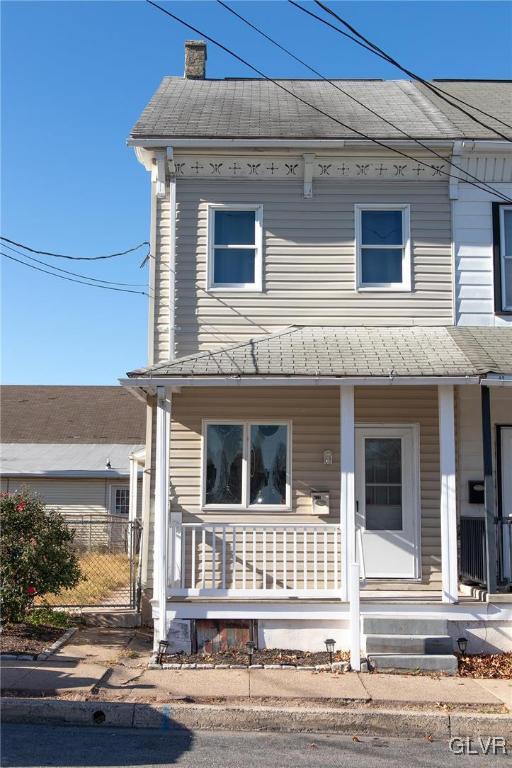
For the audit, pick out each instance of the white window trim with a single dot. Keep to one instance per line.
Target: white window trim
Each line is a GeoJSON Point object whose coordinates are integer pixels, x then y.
{"type": "Point", "coordinates": [113, 489]}
{"type": "Point", "coordinates": [504, 257]}
{"type": "Point", "coordinates": [257, 286]}
{"type": "Point", "coordinates": [406, 283]}
{"type": "Point", "coordinates": [245, 506]}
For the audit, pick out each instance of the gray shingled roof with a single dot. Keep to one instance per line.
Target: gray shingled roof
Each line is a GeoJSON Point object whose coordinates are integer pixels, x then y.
{"type": "Point", "coordinates": [183, 108]}
{"type": "Point", "coordinates": [351, 352]}
{"type": "Point", "coordinates": [70, 414]}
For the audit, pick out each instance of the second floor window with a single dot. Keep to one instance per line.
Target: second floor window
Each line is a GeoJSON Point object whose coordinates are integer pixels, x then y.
{"type": "Point", "coordinates": [235, 247]}
{"type": "Point", "coordinates": [502, 225]}
{"type": "Point", "coordinates": [383, 252]}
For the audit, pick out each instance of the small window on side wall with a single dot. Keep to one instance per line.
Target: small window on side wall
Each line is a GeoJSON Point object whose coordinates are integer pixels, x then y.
{"type": "Point", "coordinates": [235, 247]}
{"type": "Point", "coordinates": [502, 229]}
{"type": "Point", "coordinates": [383, 249]}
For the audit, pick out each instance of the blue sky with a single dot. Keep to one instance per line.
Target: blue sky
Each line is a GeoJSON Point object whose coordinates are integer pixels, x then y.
{"type": "Point", "coordinates": [76, 75]}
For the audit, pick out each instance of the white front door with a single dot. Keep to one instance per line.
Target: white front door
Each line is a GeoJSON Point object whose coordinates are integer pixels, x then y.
{"type": "Point", "coordinates": [506, 497]}
{"type": "Point", "coordinates": [387, 503]}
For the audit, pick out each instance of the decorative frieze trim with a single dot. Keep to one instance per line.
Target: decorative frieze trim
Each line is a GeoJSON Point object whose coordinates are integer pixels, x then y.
{"type": "Point", "coordinates": [308, 168]}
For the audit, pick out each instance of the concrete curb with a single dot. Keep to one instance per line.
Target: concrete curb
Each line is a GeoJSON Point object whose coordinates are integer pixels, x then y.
{"type": "Point", "coordinates": [179, 716]}
{"type": "Point", "coordinates": [337, 666]}
{"type": "Point", "coordinates": [43, 656]}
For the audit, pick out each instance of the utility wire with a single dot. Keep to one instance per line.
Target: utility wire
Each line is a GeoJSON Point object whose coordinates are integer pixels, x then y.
{"type": "Point", "coordinates": [350, 96]}
{"type": "Point", "coordinates": [388, 59]}
{"type": "Point", "coordinates": [75, 274]}
{"type": "Point", "coordinates": [71, 279]}
{"type": "Point", "coordinates": [437, 92]}
{"type": "Point", "coordinates": [312, 106]}
{"type": "Point", "coordinates": [78, 258]}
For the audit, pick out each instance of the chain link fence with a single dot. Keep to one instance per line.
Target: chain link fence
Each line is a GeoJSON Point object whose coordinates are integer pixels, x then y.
{"type": "Point", "coordinates": [108, 548]}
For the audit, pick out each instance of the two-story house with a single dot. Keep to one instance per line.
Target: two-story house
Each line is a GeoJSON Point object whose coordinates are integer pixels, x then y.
{"type": "Point", "coordinates": [307, 378]}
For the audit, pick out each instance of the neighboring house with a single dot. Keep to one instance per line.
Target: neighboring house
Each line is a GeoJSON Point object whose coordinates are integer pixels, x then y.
{"type": "Point", "coordinates": [80, 448]}
{"type": "Point", "coordinates": [310, 452]}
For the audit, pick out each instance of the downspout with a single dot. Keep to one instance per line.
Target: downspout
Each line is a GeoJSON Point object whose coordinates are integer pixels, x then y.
{"type": "Point", "coordinates": [489, 500]}
{"type": "Point", "coordinates": [172, 253]}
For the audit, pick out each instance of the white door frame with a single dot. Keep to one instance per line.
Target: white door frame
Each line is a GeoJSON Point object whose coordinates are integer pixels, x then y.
{"type": "Point", "coordinates": [414, 429]}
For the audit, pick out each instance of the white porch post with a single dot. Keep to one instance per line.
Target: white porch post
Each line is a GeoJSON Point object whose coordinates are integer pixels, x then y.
{"type": "Point", "coordinates": [160, 544]}
{"type": "Point", "coordinates": [448, 505]}
{"type": "Point", "coordinates": [347, 485]}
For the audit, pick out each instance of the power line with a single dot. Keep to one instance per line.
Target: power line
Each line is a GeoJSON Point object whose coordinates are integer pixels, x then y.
{"type": "Point", "coordinates": [387, 58]}
{"type": "Point", "coordinates": [439, 93]}
{"type": "Point", "coordinates": [350, 96]}
{"type": "Point", "coordinates": [71, 279]}
{"type": "Point", "coordinates": [75, 274]}
{"type": "Point", "coordinates": [312, 106]}
{"type": "Point", "coordinates": [78, 258]}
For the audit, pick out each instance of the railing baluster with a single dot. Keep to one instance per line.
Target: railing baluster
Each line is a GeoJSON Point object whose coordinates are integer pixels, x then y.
{"type": "Point", "coordinates": [233, 568]}
{"type": "Point", "coordinates": [336, 565]}
{"type": "Point", "coordinates": [214, 558]}
{"type": "Point", "coordinates": [264, 558]}
{"type": "Point", "coordinates": [285, 559]}
{"type": "Point", "coordinates": [244, 558]}
{"type": "Point", "coordinates": [223, 557]}
{"type": "Point", "coordinates": [183, 558]}
{"type": "Point", "coordinates": [305, 531]}
{"type": "Point", "coordinates": [326, 575]}
{"type": "Point", "coordinates": [203, 557]}
{"type": "Point", "coordinates": [274, 557]}
{"type": "Point", "coordinates": [295, 558]}
{"type": "Point", "coordinates": [193, 580]}
{"type": "Point", "coordinates": [315, 559]}
{"type": "Point", "coordinates": [254, 558]}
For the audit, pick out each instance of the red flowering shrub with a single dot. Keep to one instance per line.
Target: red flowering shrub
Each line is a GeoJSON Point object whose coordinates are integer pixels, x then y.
{"type": "Point", "coordinates": [36, 553]}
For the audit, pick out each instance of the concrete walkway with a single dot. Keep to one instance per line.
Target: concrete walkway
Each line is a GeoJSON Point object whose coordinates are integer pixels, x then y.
{"type": "Point", "coordinates": [111, 664]}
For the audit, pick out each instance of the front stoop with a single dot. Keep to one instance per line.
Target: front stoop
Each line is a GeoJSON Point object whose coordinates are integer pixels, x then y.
{"type": "Point", "coordinates": [409, 645]}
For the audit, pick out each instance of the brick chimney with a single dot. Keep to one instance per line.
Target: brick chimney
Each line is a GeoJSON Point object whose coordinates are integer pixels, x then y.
{"type": "Point", "coordinates": [195, 59]}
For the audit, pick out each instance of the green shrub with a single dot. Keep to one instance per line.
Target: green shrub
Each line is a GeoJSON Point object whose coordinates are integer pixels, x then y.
{"type": "Point", "coordinates": [36, 553]}
{"type": "Point", "coordinates": [47, 617]}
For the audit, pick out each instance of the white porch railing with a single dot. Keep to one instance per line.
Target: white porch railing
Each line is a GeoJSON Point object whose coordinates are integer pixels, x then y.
{"type": "Point", "coordinates": [255, 560]}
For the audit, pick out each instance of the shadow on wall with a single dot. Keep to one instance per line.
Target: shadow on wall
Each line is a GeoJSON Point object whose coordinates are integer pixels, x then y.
{"type": "Point", "coordinates": [100, 744]}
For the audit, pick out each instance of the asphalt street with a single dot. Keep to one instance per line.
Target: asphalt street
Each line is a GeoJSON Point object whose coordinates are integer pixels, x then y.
{"type": "Point", "coordinates": [67, 747]}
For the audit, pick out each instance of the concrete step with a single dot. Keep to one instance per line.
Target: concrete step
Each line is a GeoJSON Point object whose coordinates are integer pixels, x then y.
{"type": "Point", "coordinates": [393, 626]}
{"type": "Point", "coordinates": [388, 662]}
{"type": "Point", "coordinates": [419, 644]}
{"type": "Point", "coordinates": [121, 618]}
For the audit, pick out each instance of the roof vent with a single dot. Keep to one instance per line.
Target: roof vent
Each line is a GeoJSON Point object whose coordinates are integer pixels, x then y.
{"type": "Point", "coordinates": [195, 59]}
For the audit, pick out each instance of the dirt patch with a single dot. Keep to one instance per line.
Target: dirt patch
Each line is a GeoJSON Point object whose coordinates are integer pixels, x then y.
{"type": "Point", "coordinates": [490, 666]}
{"type": "Point", "coordinates": [26, 638]}
{"type": "Point", "coordinates": [265, 656]}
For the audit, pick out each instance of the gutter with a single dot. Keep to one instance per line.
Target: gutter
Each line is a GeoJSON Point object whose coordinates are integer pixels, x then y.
{"type": "Point", "coordinates": [497, 380]}
{"type": "Point", "coordinates": [150, 383]}
{"type": "Point", "coordinates": [211, 143]}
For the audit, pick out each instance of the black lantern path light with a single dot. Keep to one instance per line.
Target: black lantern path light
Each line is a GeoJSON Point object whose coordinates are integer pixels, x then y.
{"type": "Point", "coordinates": [162, 650]}
{"type": "Point", "coordinates": [250, 647]}
{"type": "Point", "coordinates": [462, 642]}
{"type": "Point", "coordinates": [329, 647]}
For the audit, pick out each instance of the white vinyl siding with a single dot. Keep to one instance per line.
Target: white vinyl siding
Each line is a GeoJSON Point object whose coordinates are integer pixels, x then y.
{"type": "Point", "coordinates": [474, 263]}
{"type": "Point", "coordinates": [309, 264]}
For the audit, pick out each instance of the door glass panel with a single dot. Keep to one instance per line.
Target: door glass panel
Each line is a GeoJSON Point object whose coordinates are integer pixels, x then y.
{"type": "Point", "coordinates": [268, 464]}
{"type": "Point", "coordinates": [383, 483]}
{"type": "Point", "coordinates": [224, 445]}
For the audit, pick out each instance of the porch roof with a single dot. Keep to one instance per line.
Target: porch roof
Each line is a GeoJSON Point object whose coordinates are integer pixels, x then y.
{"type": "Point", "coordinates": [351, 352]}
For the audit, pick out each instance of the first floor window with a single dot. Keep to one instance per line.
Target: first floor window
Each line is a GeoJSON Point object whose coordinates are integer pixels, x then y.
{"type": "Point", "coordinates": [121, 501]}
{"type": "Point", "coordinates": [383, 247]}
{"type": "Point", "coordinates": [502, 216]}
{"type": "Point", "coordinates": [246, 464]}
{"type": "Point", "coordinates": [235, 247]}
